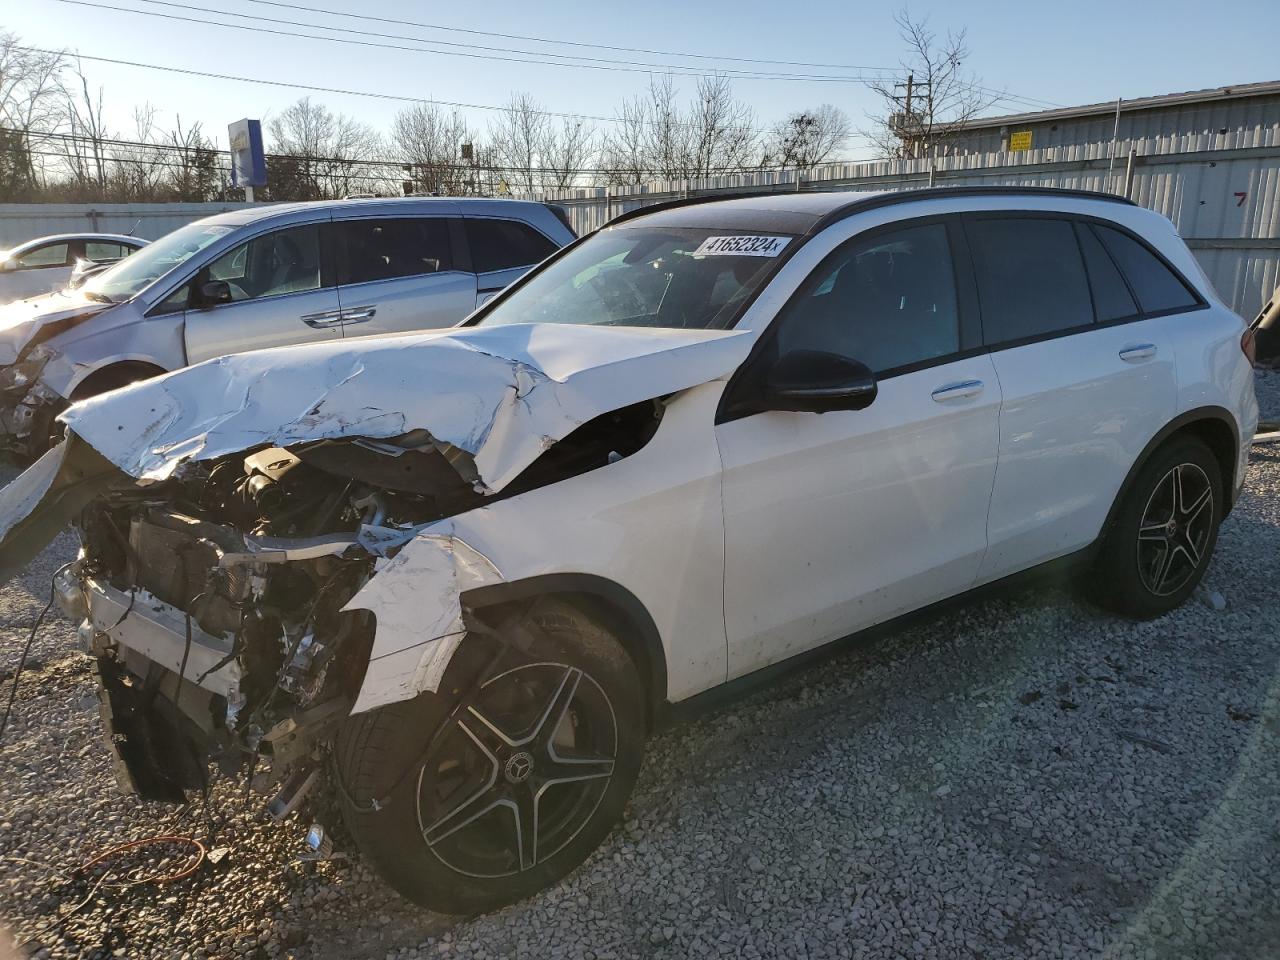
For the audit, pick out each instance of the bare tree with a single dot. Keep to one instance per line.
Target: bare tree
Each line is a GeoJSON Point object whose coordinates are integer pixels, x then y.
{"type": "Point", "coordinates": [532, 152]}
{"type": "Point", "coordinates": [565, 151]}
{"type": "Point", "coordinates": [937, 97]}
{"type": "Point", "coordinates": [137, 171]}
{"type": "Point", "coordinates": [516, 140]}
{"type": "Point", "coordinates": [806, 138]}
{"type": "Point", "coordinates": [327, 152]}
{"type": "Point", "coordinates": [654, 137]}
{"type": "Point", "coordinates": [87, 153]}
{"type": "Point", "coordinates": [193, 173]}
{"type": "Point", "coordinates": [430, 143]}
{"type": "Point", "coordinates": [30, 107]}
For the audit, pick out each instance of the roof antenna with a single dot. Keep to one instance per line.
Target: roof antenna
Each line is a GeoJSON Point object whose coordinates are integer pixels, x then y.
{"type": "Point", "coordinates": [134, 227]}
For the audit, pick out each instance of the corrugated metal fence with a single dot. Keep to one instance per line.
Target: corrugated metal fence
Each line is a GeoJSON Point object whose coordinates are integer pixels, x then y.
{"type": "Point", "coordinates": [1222, 193]}
{"type": "Point", "coordinates": [25, 221]}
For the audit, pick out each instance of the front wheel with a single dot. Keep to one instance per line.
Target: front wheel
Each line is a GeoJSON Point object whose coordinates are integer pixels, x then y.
{"type": "Point", "coordinates": [507, 780]}
{"type": "Point", "coordinates": [1164, 534]}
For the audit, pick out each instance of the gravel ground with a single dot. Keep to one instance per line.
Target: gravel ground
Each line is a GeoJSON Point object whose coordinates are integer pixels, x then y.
{"type": "Point", "coordinates": [1026, 776]}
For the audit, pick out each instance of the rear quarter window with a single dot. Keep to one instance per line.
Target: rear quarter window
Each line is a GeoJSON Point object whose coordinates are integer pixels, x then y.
{"type": "Point", "coordinates": [503, 244]}
{"type": "Point", "coordinates": [1157, 287]}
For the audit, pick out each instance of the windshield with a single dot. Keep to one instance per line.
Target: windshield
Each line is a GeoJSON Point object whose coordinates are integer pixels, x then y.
{"type": "Point", "coordinates": [646, 277]}
{"type": "Point", "coordinates": [135, 273]}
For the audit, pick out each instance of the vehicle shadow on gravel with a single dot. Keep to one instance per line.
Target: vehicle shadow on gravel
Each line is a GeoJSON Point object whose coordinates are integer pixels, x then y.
{"type": "Point", "coordinates": [1023, 774]}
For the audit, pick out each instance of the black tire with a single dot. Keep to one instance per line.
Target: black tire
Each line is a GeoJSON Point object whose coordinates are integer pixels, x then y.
{"type": "Point", "coordinates": [426, 774]}
{"type": "Point", "coordinates": [1158, 546]}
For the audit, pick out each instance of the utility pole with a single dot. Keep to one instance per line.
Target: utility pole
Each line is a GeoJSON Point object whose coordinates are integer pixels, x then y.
{"type": "Point", "coordinates": [906, 125]}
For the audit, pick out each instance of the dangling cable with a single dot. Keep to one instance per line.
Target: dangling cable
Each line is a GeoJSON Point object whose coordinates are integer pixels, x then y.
{"type": "Point", "coordinates": [26, 651]}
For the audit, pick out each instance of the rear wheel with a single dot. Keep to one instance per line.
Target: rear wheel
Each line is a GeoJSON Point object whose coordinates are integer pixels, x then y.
{"type": "Point", "coordinates": [1164, 534]}
{"type": "Point", "coordinates": [469, 801]}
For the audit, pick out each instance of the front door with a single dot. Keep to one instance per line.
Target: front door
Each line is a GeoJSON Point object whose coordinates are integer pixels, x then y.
{"type": "Point", "coordinates": [841, 520]}
{"type": "Point", "coordinates": [280, 295]}
{"type": "Point", "coordinates": [399, 275]}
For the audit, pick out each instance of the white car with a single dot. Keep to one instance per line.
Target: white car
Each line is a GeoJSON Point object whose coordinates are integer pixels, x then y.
{"type": "Point", "coordinates": [48, 264]}
{"type": "Point", "coordinates": [458, 576]}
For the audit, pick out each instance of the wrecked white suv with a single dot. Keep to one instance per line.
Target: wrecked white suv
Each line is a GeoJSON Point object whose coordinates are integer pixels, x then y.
{"type": "Point", "coordinates": [454, 578]}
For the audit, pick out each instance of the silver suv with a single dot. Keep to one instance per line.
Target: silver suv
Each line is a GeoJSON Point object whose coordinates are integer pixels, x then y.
{"type": "Point", "coordinates": [262, 277]}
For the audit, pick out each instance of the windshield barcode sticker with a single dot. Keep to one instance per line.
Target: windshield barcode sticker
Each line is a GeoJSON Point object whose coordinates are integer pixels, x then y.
{"type": "Point", "coordinates": [741, 246]}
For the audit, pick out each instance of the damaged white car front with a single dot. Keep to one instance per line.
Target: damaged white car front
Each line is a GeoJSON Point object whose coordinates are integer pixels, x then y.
{"type": "Point", "coordinates": [276, 543]}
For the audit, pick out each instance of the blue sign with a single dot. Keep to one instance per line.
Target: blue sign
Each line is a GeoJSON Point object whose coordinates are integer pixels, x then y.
{"type": "Point", "coordinates": [248, 162]}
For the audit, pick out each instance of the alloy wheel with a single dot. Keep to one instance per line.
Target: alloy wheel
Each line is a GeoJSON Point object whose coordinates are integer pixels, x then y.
{"type": "Point", "coordinates": [1175, 529]}
{"type": "Point", "coordinates": [519, 771]}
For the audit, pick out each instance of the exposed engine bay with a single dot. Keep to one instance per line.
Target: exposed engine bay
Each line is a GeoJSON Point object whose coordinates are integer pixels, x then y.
{"type": "Point", "coordinates": [213, 600]}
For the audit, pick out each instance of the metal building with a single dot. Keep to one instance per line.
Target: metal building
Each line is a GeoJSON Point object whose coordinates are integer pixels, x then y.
{"type": "Point", "coordinates": [1237, 115]}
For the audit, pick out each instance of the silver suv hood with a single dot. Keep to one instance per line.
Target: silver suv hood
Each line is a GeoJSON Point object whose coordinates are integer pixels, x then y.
{"type": "Point", "coordinates": [20, 320]}
{"type": "Point", "coordinates": [495, 397]}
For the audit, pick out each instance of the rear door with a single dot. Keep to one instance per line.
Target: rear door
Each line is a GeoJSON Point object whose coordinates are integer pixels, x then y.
{"type": "Point", "coordinates": [502, 250]}
{"type": "Point", "coordinates": [282, 292]}
{"type": "Point", "coordinates": [398, 274]}
{"type": "Point", "coordinates": [1087, 380]}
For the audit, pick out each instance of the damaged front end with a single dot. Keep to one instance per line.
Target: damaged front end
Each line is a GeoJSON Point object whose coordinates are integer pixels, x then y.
{"type": "Point", "coordinates": [216, 603]}
{"type": "Point", "coordinates": [274, 541]}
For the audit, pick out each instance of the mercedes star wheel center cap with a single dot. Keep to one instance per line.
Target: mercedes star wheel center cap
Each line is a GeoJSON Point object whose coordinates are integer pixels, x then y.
{"type": "Point", "coordinates": [519, 767]}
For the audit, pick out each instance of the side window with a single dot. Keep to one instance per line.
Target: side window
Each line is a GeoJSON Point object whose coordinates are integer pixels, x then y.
{"type": "Point", "coordinates": [887, 300]}
{"type": "Point", "coordinates": [1157, 287]}
{"type": "Point", "coordinates": [274, 264]}
{"type": "Point", "coordinates": [1031, 279]}
{"type": "Point", "coordinates": [1111, 297]}
{"type": "Point", "coordinates": [503, 244]}
{"type": "Point", "coordinates": [180, 299]}
{"type": "Point", "coordinates": [49, 255]}
{"type": "Point", "coordinates": [384, 249]}
{"type": "Point", "coordinates": [99, 250]}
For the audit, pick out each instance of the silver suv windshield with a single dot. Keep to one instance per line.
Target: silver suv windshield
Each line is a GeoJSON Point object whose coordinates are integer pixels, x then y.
{"type": "Point", "coordinates": [647, 277]}
{"type": "Point", "coordinates": [134, 274]}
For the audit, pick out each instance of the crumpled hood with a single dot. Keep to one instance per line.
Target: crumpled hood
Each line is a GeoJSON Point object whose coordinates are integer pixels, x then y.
{"type": "Point", "coordinates": [21, 319]}
{"type": "Point", "coordinates": [501, 394]}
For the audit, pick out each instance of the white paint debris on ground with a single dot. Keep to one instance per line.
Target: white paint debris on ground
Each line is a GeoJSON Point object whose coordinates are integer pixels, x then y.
{"type": "Point", "coordinates": [1026, 776]}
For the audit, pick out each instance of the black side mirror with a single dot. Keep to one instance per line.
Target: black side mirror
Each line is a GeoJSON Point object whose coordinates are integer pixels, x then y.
{"type": "Point", "coordinates": [814, 381]}
{"type": "Point", "coordinates": [213, 292]}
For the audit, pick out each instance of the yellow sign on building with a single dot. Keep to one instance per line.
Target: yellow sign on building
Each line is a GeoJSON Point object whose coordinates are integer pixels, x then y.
{"type": "Point", "coordinates": [1019, 140]}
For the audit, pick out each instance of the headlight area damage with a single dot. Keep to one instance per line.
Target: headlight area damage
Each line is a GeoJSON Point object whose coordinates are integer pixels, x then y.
{"type": "Point", "coordinates": [273, 541]}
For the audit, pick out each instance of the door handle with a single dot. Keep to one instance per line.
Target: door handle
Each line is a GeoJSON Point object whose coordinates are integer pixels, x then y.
{"type": "Point", "coordinates": [359, 314]}
{"type": "Point", "coordinates": [1137, 352]}
{"type": "Point", "coordinates": [957, 391]}
{"type": "Point", "coordinates": [330, 318]}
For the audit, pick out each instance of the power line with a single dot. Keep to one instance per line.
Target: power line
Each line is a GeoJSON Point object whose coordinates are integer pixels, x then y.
{"type": "Point", "coordinates": [342, 91]}
{"type": "Point", "coordinates": [617, 66]}
{"type": "Point", "coordinates": [396, 167]}
{"type": "Point", "coordinates": [740, 75]}
{"type": "Point", "coordinates": [684, 69]}
{"type": "Point", "coordinates": [1003, 94]}
{"type": "Point", "coordinates": [400, 98]}
{"type": "Point", "coordinates": [567, 43]}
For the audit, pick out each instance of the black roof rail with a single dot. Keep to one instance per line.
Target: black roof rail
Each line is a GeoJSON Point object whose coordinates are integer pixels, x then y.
{"type": "Point", "coordinates": [684, 202]}
{"type": "Point", "coordinates": [885, 199]}
{"type": "Point", "coordinates": [893, 197]}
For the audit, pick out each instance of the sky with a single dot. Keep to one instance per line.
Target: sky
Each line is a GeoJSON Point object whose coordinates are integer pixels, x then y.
{"type": "Point", "coordinates": [1064, 53]}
